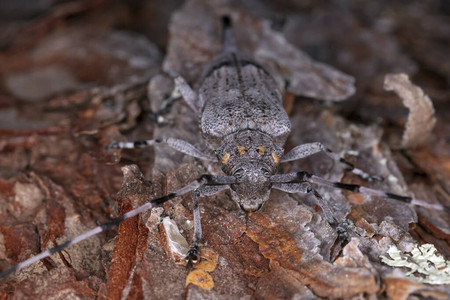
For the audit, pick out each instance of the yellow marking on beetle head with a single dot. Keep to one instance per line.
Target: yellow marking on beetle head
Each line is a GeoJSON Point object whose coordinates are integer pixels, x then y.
{"type": "Point", "coordinates": [276, 158]}
{"type": "Point", "coordinates": [225, 158]}
{"type": "Point", "coordinates": [241, 150]}
{"type": "Point", "coordinates": [261, 150]}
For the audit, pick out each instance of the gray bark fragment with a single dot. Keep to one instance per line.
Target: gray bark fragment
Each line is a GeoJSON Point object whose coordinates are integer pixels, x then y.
{"type": "Point", "coordinates": [421, 119]}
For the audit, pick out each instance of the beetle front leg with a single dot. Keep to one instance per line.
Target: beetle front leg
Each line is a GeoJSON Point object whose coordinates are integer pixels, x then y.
{"type": "Point", "coordinates": [305, 150]}
{"type": "Point", "coordinates": [343, 228]}
{"type": "Point", "coordinates": [204, 191]}
{"type": "Point", "coordinates": [306, 188]}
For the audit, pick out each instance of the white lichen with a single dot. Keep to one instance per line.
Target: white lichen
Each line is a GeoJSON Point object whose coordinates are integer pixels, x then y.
{"type": "Point", "coordinates": [425, 264]}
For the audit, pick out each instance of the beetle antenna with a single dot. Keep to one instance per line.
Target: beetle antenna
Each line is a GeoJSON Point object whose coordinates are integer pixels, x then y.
{"type": "Point", "coordinates": [203, 180]}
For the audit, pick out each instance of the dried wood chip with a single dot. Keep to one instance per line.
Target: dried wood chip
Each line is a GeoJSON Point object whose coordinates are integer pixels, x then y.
{"type": "Point", "coordinates": [200, 278]}
{"type": "Point", "coordinates": [176, 245]}
{"type": "Point", "coordinates": [421, 119]}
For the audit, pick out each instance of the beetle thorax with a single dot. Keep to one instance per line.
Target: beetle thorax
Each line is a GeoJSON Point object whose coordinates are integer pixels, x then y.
{"type": "Point", "coordinates": [247, 146]}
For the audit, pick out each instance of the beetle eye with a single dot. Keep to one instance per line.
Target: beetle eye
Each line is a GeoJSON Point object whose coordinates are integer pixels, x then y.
{"type": "Point", "coordinates": [238, 173]}
{"type": "Point", "coordinates": [266, 172]}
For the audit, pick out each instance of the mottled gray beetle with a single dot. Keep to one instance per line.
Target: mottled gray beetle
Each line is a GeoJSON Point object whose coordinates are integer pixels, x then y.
{"type": "Point", "coordinates": [243, 120]}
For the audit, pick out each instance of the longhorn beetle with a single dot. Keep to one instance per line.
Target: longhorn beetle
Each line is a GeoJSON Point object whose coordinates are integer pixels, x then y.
{"type": "Point", "coordinates": [244, 122]}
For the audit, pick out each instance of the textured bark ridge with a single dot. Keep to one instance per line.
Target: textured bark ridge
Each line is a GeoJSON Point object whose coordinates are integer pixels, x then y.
{"type": "Point", "coordinates": [72, 83]}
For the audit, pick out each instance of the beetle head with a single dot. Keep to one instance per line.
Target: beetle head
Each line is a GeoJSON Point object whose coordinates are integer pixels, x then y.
{"type": "Point", "coordinates": [252, 187]}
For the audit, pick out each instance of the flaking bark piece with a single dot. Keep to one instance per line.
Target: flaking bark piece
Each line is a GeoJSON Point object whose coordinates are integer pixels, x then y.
{"type": "Point", "coordinates": [421, 119]}
{"type": "Point", "coordinates": [306, 77]}
{"type": "Point", "coordinates": [306, 266]}
{"type": "Point", "coordinates": [176, 245]}
{"type": "Point", "coordinates": [59, 283]}
{"type": "Point", "coordinates": [400, 288]}
{"type": "Point", "coordinates": [127, 251]}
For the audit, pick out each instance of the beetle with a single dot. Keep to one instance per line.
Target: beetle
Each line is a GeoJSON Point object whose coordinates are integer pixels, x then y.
{"type": "Point", "coordinates": [245, 125]}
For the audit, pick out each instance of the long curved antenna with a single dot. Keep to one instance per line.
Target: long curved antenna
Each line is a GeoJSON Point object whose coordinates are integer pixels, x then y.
{"type": "Point", "coordinates": [306, 177]}
{"type": "Point", "coordinates": [203, 180]}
